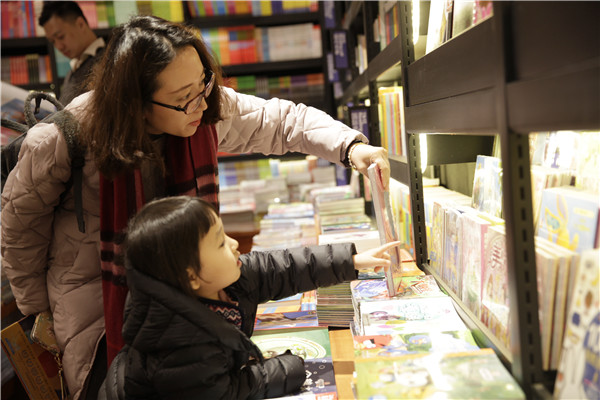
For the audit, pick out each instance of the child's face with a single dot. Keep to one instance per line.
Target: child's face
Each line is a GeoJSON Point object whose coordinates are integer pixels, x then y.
{"type": "Point", "coordinates": [219, 262]}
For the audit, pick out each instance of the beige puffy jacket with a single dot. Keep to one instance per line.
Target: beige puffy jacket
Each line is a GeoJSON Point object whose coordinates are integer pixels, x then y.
{"type": "Point", "coordinates": [50, 264]}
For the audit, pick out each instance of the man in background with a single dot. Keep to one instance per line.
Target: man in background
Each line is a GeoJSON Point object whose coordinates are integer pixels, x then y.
{"type": "Point", "coordinates": [67, 29]}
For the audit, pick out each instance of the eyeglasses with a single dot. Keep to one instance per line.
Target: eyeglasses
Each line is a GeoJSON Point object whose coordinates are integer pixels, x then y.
{"type": "Point", "coordinates": [192, 105]}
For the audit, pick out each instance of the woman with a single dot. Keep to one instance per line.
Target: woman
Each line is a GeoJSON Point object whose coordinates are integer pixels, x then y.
{"type": "Point", "coordinates": [153, 122]}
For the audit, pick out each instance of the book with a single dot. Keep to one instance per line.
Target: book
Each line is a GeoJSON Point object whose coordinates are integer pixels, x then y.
{"type": "Point", "coordinates": [569, 217]}
{"type": "Point", "coordinates": [494, 285]}
{"type": "Point", "coordinates": [308, 343]}
{"type": "Point", "coordinates": [286, 320]}
{"type": "Point", "coordinates": [451, 269]}
{"type": "Point", "coordinates": [420, 314]}
{"type": "Point", "coordinates": [487, 185]}
{"type": "Point", "coordinates": [401, 344]}
{"type": "Point", "coordinates": [387, 230]}
{"type": "Point", "coordinates": [578, 371]}
{"type": "Point", "coordinates": [475, 374]}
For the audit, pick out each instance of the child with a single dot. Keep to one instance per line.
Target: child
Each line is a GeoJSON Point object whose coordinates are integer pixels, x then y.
{"type": "Point", "coordinates": [193, 300]}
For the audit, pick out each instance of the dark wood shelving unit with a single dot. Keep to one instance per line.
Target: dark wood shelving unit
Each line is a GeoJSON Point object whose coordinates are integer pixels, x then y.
{"type": "Point", "coordinates": [531, 67]}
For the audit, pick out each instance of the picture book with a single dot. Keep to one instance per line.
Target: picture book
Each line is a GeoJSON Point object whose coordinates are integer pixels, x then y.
{"type": "Point", "coordinates": [286, 320]}
{"type": "Point", "coordinates": [475, 374]}
{"type": "Point", "coordinates": [569, 217]}
{"type": "Point", "coordinates": [566, 261]}
{"type": "Point", "coordinates": [463, 16]}
{"type": "Point", "coordinates": [487, 185]}
{"type": "Point", "coordinates": [387, 230]}
{"type": "Point", "coordinates": [451, 268]}
{"type": "Point", "coordinates": [411, 286]}
{"type": "Point", "coordinates": [436, 244]}
{"type": "Point", "coordinates": [289, 304]}
{"type": "Point", "coordinates": [578, 370]}
{"type": "Point", "coordinates": [307, 343]}
{"type": "Point", "coordinates": [474, 230]}
{"type": "Point", "coordinates": [588, 162]}
{"type": "Point", "coordinates": [399, 344]}
{"type": "Point", "coordinates": [546, 271]}
{"type": "Point", "coordinates": [408, 315]}
{"type": "Point", "coordinates": [494, 285]}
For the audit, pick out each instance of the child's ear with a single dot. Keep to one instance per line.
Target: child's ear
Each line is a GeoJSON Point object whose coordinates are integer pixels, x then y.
{"type": "Point", "coordinates": [194, 278]}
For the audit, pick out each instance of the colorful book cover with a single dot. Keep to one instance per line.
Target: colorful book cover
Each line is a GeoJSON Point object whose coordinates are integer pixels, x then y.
{"type": "Point", "coordinates": [494, 285]}
{"type": "Point", "coordinates": [473, 234]}
{"type": "Point", "coordinates": [401, 344]}
{"type": "Point", "coordinates": [307, 343]}
{"type": "Point", "coordinates": [578, 371]}
{"type": "Point", "coordinates": [286, 320]}
{"type": "Point", "coordinates": [487, 185]}
{"type": "Point", "coordinates": [569, 217]}
{"type": "Point", "coordinates": [410, 286]}
{"type": "Point", "coordinates": [467, 375]}
{"type": "Point", "coordinates": [406, 315]}
{"type": "Point", "coordinates": [387, 230]}
{"type": "Point", "coordinates": [436, 247]}
{"type": "Point", "coordinates": [451, 270]}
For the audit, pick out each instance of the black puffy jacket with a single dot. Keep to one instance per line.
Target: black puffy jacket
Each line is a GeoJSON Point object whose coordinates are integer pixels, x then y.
{"type": "Point", "coordinates": [179, 349]}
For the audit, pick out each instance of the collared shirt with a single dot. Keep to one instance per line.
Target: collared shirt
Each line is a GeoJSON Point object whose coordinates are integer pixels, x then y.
{"type": "Point", "coordinates": [90, 51]}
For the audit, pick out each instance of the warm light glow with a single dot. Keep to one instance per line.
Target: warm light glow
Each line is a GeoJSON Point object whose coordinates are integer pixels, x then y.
{"type": "Point", "coordinates": [368, 102]}
{"type": "Point", "coordinates": [416, 19]}
{"type": "Point", "coordinates": [423, 145]}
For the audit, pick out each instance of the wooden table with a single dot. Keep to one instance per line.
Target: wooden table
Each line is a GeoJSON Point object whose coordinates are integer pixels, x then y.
{"type": "Point", "coordinates": [342, 353]}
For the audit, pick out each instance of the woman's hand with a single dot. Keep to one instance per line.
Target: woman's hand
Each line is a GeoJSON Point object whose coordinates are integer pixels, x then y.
{"type": "Point", "coordinates": [376, 258]}
{"type": "Point", "coordinates": [363, 155]}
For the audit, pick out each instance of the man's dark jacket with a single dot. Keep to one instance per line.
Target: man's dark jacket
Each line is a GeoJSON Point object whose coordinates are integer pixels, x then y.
{"type": "Point", "coordinates": [74, 83]}
{"type": "Point", "coordinates": [176, 348]}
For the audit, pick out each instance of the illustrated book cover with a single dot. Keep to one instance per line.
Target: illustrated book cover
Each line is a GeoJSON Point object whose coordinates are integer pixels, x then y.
{"type": "Point", "coordinates": [578, 371]}
{"type": "Point", "coordinates": [387, 230]}
{"type": "Point", "coordinates": [475, 374]}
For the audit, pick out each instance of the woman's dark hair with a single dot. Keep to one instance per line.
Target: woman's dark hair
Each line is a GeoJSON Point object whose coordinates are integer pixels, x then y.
{"type": "Point", "coordinates": [162, 239]}
{"type": "Point", "coordinates": [124, 81]}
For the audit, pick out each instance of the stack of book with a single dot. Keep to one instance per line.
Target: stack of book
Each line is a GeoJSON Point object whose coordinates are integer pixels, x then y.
{"type": "Point", "coordinates": [414, 345]}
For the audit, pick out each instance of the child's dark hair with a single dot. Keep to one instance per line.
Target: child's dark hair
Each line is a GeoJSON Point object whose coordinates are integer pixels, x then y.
{"type": "Point", "coordinates": [162, 239]}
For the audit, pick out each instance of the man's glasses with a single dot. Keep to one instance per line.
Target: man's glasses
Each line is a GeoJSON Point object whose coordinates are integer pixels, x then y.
{"type": "Point", "coordinates": [192, 105]}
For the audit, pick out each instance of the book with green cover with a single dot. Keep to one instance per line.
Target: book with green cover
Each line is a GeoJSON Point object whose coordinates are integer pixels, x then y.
{"type": "Point", "coordinates": [468, 375]}
{"type": "Point", "coordinates": [307, 343]}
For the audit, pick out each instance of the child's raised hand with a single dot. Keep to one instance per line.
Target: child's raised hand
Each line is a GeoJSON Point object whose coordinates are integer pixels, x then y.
{"type": "Point", "coordinates": [375, 258]}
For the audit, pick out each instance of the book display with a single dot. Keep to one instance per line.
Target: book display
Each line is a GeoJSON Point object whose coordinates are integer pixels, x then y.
{"type": "Point", "coordinates": [483, 78]}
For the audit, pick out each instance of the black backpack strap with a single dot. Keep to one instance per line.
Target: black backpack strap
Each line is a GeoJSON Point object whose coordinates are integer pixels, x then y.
{"type": "Point", "coordinates": [69, 126]}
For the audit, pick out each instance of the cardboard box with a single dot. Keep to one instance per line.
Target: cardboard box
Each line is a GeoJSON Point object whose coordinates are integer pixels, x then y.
{"type": "Point", "coordinates": [36, 367]}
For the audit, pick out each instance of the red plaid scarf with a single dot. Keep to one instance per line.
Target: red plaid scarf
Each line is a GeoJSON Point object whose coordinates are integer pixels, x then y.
{"type": "Point", "coordinates": [192, 170]}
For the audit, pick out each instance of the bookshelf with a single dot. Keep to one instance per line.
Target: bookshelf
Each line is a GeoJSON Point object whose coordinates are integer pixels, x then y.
{"type": "Point", "coordinates": [530, 67]}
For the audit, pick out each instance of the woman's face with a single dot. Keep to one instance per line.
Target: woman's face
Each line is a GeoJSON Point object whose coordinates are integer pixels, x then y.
{"type": "Point", "coordinates": [181, 81]}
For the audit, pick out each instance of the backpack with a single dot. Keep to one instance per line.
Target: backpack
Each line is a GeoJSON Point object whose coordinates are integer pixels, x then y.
{"type": "Point", "coordinates": [68, 126]}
